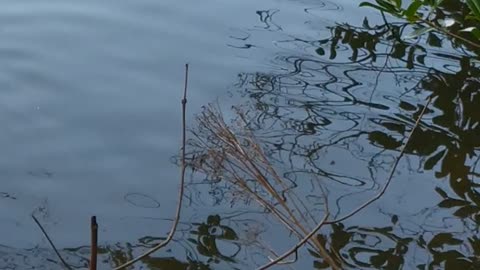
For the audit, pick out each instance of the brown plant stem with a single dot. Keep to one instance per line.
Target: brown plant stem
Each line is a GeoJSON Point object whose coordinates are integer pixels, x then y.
{"type": "Point", "coordinates": [182, 185]}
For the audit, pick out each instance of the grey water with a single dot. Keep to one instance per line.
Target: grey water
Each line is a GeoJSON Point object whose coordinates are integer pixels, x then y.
{"type": "Point", "coordinates": [91, 124]}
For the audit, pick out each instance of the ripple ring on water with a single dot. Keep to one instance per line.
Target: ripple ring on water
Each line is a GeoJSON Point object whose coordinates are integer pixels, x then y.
{"type": "Point", "coordinates": [141, 200]}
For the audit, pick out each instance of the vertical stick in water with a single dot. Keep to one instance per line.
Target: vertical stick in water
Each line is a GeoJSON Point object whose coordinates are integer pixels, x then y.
{"type": "Point", "coordinates": [94, 243]}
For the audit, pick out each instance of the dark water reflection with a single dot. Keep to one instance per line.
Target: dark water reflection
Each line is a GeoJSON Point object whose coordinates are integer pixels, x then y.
{"type": "Point", "coordinates": [332, 104]}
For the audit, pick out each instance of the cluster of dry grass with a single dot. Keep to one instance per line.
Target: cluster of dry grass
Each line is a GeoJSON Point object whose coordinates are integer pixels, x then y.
{"type": "Point", "coordinates": [236, 157]}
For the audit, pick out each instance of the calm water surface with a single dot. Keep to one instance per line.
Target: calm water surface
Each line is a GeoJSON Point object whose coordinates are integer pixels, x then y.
{"type": "Point", "coordinates": [90, 105]}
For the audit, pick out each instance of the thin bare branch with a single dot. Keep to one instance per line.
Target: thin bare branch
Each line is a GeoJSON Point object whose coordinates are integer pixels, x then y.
{"type": "Point", "coordinates": [182, 185]}
{"type": "Point", "coordinates": [65, 264]}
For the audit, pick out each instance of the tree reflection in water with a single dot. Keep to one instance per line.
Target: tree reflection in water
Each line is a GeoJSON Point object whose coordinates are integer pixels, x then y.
{"type": "Point", "coordinates": [341, 113]}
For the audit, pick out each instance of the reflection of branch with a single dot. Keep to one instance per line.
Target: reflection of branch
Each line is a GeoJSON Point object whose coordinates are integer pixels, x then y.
{"type": "Point", "coordinates": [51, 243]}
{"type": "Point", "coordinates": [381, 70]}
{"type": "Point", "coordinates": [389, 180]}
{"type": "Point", "coordinates": [182, 186]}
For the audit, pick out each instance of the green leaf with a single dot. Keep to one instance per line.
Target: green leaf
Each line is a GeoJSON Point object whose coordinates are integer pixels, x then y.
{"type": "Point", "coordinates": [418, 32]}
{"type": "Point", "coordinates": [468, 29]}
{"type": "Point", "coordinates": [367, 4]}
{"type": "Point", "coordinates": [476, 3]}
{"type": "Point", "coordinates": [428, 2]}
{"type": "Point", "coordinates": [475, 31]}
{"type": "Point", "coordinates": [474, 6]}
{"type": "Point", "coordinates": [411, 11]}
{"type": "Point", "coordinates": [389, 5]}
{"type": "Point", "coordinates": [437, 3]}
{"type": "Point", "coordinates": [398, 3]}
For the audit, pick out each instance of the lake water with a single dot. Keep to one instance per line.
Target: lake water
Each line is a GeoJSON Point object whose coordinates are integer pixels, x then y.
{"type": "Point", "coordinates": [90, 104]}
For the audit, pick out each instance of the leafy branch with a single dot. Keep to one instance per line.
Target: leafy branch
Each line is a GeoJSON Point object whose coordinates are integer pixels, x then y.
{"type": "Point", "coordinates": [421, 12]}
